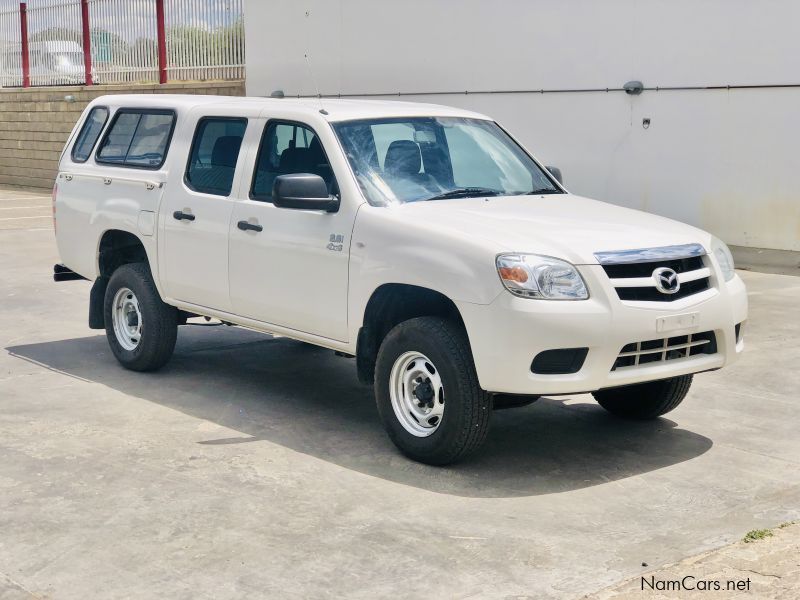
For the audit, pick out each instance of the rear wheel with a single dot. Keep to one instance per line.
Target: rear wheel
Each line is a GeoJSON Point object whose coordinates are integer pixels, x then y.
{"type": "Point", "coordinates": [645, 400]}
{"type": "Point", "coordinates": [427, 391]}
{"type": "Point", "coordinates": [141, 329]}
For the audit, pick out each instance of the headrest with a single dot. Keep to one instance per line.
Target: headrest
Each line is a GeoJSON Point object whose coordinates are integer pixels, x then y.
{"type": "Point", "coordinates": [226, 151]}
{"type": "Point", "coordinates": [316, 155]}
{"type": "Point", "coordinates": [293, 160]}
{"type": "Point", "coordinates": [402, 158]}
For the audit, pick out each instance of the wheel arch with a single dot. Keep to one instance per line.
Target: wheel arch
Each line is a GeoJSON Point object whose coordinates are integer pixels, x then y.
{"type": "Point", "coordinates": [389, 305]}
{"type": "Point", "coordinates": [116, 247]}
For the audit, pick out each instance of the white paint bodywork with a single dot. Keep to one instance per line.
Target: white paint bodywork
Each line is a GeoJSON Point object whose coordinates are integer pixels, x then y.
{"type": "Point", "coordinates": [286, 280]}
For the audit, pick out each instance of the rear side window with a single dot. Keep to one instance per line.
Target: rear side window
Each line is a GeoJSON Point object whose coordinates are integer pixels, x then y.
{"type": "Point", "coordinates": [137, 138]}
{"type": "Point", "coordinates": [90, 131]}
{"type": "Point", "coordinates": [215, 150]}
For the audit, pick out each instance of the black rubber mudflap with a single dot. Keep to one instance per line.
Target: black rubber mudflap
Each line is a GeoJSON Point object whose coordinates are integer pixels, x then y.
{"type": "Point", "coordinates": [96, 298]}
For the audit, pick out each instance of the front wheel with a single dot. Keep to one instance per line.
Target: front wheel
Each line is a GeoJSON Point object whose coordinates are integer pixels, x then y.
{"type": "Point", "coordinates": [141, 329]}
{"type": "Point", "coordinates": [645, 400]}
{"type": "Point", "coordinates": [427, 391]}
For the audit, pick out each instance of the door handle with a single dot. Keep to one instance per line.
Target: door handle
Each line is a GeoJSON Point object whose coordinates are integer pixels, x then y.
{"type": "Point", "coordinates": [247, 226]}
{"type": "Point", "coordinates": [182, 216]}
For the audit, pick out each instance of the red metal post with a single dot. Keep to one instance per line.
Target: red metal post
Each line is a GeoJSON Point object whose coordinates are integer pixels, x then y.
{"type": "Point", "coordinates": [23, 26]}
{"type": "Point", "coordinates": [161, 31]}
{"type": "Point", "coordinates": [87, 42]}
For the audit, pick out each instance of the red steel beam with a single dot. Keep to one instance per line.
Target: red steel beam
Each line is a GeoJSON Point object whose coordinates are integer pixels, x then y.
{"type": "Point", "coordinates": [87, 42]}
{"type": "Point", "coordinates": [162, 42]}
{"type": "Point", "coordinates": [23, 27]}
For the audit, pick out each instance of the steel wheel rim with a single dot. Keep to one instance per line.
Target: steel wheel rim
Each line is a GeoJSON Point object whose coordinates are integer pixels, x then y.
{"type": "Point", "coordinates": [127, 319]}
{"type": "Point", "coordinates": [417, 394]}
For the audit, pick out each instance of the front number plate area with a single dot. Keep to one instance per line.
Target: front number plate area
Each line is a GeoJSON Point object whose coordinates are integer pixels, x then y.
{"type": "Point", "coordinates": [673, 322]}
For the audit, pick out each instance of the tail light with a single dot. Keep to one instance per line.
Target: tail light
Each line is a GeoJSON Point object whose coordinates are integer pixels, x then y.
{"type": "Point", "coordinates": [55, 193]}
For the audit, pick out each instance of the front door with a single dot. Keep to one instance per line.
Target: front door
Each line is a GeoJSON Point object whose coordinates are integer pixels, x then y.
{"type": "Point", "coordinates": [289, 267]}
{"type": "Point", "coordinates": [197, 215]}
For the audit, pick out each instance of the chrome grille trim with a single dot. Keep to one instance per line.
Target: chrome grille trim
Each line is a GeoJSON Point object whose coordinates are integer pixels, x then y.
{"type": "Point", "coordinates": [648, 281]}
{"type": "Point", "coordinates": [639, 275]}
{"type": "Point", "coordinates": [622, 257]}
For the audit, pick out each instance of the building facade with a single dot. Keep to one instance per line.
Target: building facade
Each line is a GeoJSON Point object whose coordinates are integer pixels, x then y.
{"type": "Point", "coordinates": [711, 139]}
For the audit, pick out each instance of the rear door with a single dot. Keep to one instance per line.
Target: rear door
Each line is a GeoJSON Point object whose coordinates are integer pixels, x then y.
{"type": "Point", "coordinates": [197, 210]}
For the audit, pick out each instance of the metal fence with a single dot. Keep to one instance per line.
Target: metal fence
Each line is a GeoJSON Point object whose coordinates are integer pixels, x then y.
{"type": "Point", "coordinates": [69, 42]}
{"type": "Point", "coordinates": [10, 55]}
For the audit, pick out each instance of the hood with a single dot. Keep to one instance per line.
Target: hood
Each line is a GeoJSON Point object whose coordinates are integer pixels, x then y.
{"type": "Point", "coordinates": [559, 225]}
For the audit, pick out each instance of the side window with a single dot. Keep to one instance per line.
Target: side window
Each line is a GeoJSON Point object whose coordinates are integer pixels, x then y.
{"type": "Point", "coordinates": [288, 148]}
{"type": "Point", "coordinates": [137, 138]}
{"type": "Point", "coordinates": [87, 138]}
{"type": "Point", "coordinates": [215, 150]}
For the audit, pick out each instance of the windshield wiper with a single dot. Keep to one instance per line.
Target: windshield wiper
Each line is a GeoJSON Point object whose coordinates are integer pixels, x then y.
{"type": "Point", "coordinates": [465, 192]}
{"type": "Point", "coordinates": [543, 191]}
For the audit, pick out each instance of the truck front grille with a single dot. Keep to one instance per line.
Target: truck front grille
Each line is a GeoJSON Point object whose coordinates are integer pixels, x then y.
{"type": "Point", "coordinates": [637, 274]}
{"type": "Point", "coordinates": [673, 348]}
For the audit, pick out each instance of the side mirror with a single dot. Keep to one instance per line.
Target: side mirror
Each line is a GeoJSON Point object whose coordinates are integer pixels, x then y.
{"type": "Point", "coordinates": [303, 191]}
{"type": "Point", "coordinates": [556, 172]}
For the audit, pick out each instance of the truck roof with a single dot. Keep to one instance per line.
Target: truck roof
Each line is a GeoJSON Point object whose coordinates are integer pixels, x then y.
{"type": "Point", "coordinates": [338, 109]}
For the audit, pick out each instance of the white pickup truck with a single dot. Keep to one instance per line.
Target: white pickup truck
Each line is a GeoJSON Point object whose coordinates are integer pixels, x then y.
{"type": "Point", "coordinates": [422, 240]}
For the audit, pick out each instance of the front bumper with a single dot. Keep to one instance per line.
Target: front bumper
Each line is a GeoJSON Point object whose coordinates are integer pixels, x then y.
{"type": "Point", "coordinates": [508, 333]}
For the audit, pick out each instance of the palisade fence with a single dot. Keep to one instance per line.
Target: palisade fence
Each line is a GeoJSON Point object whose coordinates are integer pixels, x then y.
{"type": "Point", "coordinates": [75, 42]}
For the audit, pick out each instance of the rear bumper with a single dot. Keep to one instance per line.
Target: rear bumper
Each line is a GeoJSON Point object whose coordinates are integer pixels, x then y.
{"type": "Point", "coordinates": [507, 334]}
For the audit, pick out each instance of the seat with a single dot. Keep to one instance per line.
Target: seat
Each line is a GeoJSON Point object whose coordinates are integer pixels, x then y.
{"type": "Point", "coordinates": [293, 160]}
{"type": "Point", "coordinates": [226, 151]}
{"type": "Point", "coordinates": [218, 176]}
{"type": "Point", "coordinates": [403, 159]}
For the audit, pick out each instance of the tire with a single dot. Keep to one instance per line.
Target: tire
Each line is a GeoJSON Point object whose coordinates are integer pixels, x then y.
{"type": "Point", "coordinates": [437, 350]}
{"type": "Point", "coordinates": [147, 339]}
{"type": "Point", "coordinates": [645, 400]}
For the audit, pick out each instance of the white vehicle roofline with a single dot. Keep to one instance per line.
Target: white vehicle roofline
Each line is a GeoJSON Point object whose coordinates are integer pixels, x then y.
{"type": "Point", "coordinates": [338, 109]}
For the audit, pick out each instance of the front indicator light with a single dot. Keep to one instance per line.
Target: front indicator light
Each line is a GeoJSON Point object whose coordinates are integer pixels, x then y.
{"type": "Point", "coordinates": [513, 274]}
{"type": "Point", "coordinates": [544, 277]}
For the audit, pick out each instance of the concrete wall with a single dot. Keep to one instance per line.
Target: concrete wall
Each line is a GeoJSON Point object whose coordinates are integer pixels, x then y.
{"type": "Point", "coordinates": [724, 160]}
{"type": "Point", "coordinates": [35, 124]}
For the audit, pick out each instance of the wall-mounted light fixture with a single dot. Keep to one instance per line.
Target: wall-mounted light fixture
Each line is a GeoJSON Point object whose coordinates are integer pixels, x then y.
{"type": "Point", "coordinates": [633, 88]}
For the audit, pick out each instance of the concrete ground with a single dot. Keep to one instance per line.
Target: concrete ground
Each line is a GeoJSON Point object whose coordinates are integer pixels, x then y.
{"type": "Point", "coordinates": [25, 209]}
{"type": "Point", "coordinates": [256, 467]}
{"type": "Point", "coordinates": [767, 567]}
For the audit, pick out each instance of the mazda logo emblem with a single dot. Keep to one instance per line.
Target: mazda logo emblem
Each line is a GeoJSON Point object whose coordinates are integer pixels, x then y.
{"type": "Point", "coordinates": [666, 280]}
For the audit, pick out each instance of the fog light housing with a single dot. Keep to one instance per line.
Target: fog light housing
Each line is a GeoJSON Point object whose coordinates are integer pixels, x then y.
{"type": "Point", "coordinates": [562, 361]}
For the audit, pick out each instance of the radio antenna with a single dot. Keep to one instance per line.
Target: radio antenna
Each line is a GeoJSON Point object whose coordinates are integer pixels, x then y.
{"type": "Point", "coordinates": [316, 87]}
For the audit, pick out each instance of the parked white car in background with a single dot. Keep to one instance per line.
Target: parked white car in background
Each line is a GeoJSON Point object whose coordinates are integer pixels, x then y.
{"type": "Point", "coordinates": [423, 240]}
{"type": "Point", "coordinates": [54, 62]}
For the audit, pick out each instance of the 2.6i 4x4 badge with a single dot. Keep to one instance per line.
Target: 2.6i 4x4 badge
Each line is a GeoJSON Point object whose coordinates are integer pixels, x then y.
{"type": "Point", "coordinates": [666, 280]}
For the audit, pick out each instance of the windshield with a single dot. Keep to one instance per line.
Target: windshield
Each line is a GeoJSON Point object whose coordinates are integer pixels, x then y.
{"type": "Point", "coordinates": [435, 158]}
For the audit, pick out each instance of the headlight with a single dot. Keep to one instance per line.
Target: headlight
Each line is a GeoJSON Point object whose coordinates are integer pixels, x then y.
{"type": "Point", "coordinates": [533, 276]}
{"type": "Point", "coordinates": [724, 258]}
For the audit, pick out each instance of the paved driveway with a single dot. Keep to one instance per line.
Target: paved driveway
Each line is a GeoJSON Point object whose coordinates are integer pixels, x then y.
{"type": "Point", "coordinates": [23, 209]}
{"type": "Point", "coordinates": [254, 466]}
